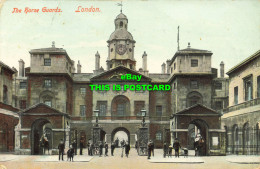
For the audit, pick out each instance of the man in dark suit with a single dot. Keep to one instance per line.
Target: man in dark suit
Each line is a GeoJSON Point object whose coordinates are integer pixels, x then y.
{"type": "Point", "coordinates": [127, 149]}
{"type": "Point", "coordinates": [74, 146]}
{"type": "Point", "coordinates": [61, 149]}
{"type": "Point", "coordinates": [106, 149]}
{"type": "Point", "coordinates": [112, 148]}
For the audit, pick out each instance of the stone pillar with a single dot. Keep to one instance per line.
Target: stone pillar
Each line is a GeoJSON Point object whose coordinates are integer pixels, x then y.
{"type": "Point", "coordinates": [163, 68]}
{"type": "Point", "coordinates": [132, 139]}
{"type": "Point", "coordinates": [97, 64]}
{"type": "Point", "coordinates": [67, 137]}
{"type": "Point", "coordinates": [108, 139]}
{"type": "Point", "coordinates": [229, 144]}
{"type": "Point", "coordinates": [78, 67]}
{"type": "Point", "coordinates": [222, 70]}
{"type": "Point", "coordinates": [17, 138]}
{"type": "Point", "coordinates": [168, 66]}
{"type": "Point", "coordinates": [21, 68]}
{"type": "Point", "coordinates": [144, 61]}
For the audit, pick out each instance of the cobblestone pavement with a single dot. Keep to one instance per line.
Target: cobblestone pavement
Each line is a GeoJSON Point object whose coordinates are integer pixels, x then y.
{"type": "Point", "coordinates": [132, 162]}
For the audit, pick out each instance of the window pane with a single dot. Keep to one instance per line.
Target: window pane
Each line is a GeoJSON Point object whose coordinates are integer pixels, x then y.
{"type": "Point", "coordinates": [194, 63]}
{"type": "Point", "coordinates": [83, 91]}
{"type": "Point", "coordinates": [158, 110]}
{"type": "Point", "coordinates": [194, 84]}
{"type": "Point", "coordinates": [82, 110]}
{"type": "Point", "coordinates": [121, 109]}
{"type": "Point", "coordinates": [102, 107]}
{"type": "Point", "coordinates": [218, 85]}
{"type": "Point", "coordinates": [22, 85]}
{"type": "Point", "coordinates": [139, 105]}
{"type": "Point", "coordinates": [236, 95]}
{"type": "Point", "coordinates": [258, 86]}
{"type": "Point", "coordinates": [47, 83]}
{"type": "Point", "coordinates": [158, 136]}
{"type": "Point", "coordinates": [47, 62]}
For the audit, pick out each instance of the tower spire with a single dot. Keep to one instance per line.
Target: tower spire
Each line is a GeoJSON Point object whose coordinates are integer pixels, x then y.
{"type": "Point", "coordinates": [120, 4]}
{"type": "Point", "coordinates": [178, 39]}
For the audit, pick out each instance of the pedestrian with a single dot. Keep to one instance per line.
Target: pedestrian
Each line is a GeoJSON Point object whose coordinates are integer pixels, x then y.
{"type": "Point", "coordinates": [100, 149]}
{"type": "Point", "coordinates": [112, 148]}
{"type": "Point", "coordinates": [61, 149]}
{"type": "Point", "coordinates": [81, 145]}
{"type": "Point", "coordinates": [170, 151]}
{"type": "Point", "coordinates": [149, 147]}
{"type": "Point", "coordinates": [106, 149]}
{"type": "Point", "coordinates": [196, 146]}
{"type": "Point", "coordinates": [122, 146]}
{"type": "Point", "coordinates": [127, 149]}
{"type": "Point", "coordinates": [136, 145]}
{"type": "Point", "coordinates": [70, 153]}
{"type": "Point", "coordinates": [165, 149]}
{"type": "Point", "coordinates": [152, 148]}
{"type": "Point", "coordinates": [177, 147]}
{"type": "Point", "coordinates": [74, 146]}
{"type": "Point", "coordinates": [46, 145]}
{"type": "Point", "coordinates": [91, 149]}
{"type": "Point", "coordinates": [117, 142]}
{"type": "Point", "coordinates": [88, 146]}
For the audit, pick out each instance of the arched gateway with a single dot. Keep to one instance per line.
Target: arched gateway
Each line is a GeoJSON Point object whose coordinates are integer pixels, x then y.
{"type": "Point", "coordinates": [119, 134]}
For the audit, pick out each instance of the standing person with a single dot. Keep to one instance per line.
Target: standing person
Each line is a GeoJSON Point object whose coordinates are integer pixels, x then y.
{"type": "Point", "coordinates": [117, 142]}
{"type": "Point", "coordinates": [196, 146]}
{"type": "Point", "coordinates": [177, 147]}
{"type": "Point", "coordinates": [149, 147]}
{"type": "Point", "coordinates": [81, 145]}
{"type": "Point", "coordinates": [112, 148]}
{"type": "Point", "coordinates": [165, 149]}
{"type": "Point", "coordinates": [106, 149]}
{"type": "Point", "coordinates": [61, 149]}
{"type": "Point", "coordinates": [127, 149]}
{"type": "Point", "coordinates": [70, 153]}
{"type": "Point", "coordinates": [152, 148]}
{"type": "Point", "coordinates": [46, 145]}
{"type": "Point", "coordinates": [100, 149]}
{"type": "Point", "coordinates": [74, 146]}
{"type": "Point", "coordinates": [122, 146]}
{"type": "Point", "coordinates": [170, 151]}
{"type": "Point", "coordinates": [88, 146]}
{"type": "Point", "coordinates": [91, 149]}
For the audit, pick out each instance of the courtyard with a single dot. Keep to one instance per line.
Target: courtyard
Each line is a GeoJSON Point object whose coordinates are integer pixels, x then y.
{"type": "Point", "coordinates": [10, 161]}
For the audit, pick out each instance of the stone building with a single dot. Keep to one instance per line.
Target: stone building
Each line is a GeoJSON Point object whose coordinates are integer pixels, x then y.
{"type": "Point", "coordinates": [57, 102]}
{"type": "Point", "coordinates": [241, 118]}
{"type": "Point", "coordinates": [8, 114]}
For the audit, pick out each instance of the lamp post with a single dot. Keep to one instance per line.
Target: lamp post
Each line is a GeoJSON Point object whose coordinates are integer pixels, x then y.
{"type": "Point", "coordinates": [143, 112]}
{"type": "Point", "coordinates": [96, 112]}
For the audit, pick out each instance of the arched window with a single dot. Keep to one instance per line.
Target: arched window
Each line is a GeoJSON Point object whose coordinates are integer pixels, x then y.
{"type": "Point", "coordinates": [5, 91]}
{"type": "Point", "coordinates": [121, 24]}
{"type": "Point", "coordinates": [120, 106]}
{"type": "Point", "coordinates": [158, 135]}
{"type": "Point", "coordinates": [246, 138]}
{"type": "Point", "coordinates": [194, 98]}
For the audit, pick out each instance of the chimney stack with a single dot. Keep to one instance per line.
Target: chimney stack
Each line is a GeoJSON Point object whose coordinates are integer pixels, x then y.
{"type": "Point", "coordinates": [144, 61]}
{"type": "Point", "coordinates": [97, 66]}
{"type": "Point", "coordinates": [21, 68]}
{"type": "Point", "coordinates": [78, 67]}
{"type": "Point", "coordinates": [222, 70]}
{"type": "Point", "coordinates": [163, 68]}
{"type": "Point", "coordinates": [168, 66]}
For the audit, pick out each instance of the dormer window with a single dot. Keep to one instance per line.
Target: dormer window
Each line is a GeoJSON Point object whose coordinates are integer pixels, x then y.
{"type": "Point", "coordinates": [194, 62]}
{"type": "Point", "coordinates": [47, 62]}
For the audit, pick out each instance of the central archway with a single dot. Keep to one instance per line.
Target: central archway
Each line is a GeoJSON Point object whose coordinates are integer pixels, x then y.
{"type": "Point", "coordinates": [41, 129]}
{"type": "Point", "coordinates": [120, 134]}
{"type": "Point", "coordinates": [198, 129]}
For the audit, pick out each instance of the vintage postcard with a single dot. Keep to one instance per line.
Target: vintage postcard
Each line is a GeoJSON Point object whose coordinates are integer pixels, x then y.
{"type": "Point", "coordinates": [129, 84]}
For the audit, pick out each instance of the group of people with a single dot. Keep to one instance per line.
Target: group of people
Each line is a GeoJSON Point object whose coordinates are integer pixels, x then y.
{"type": "Point", "coordinates": [168, 149]}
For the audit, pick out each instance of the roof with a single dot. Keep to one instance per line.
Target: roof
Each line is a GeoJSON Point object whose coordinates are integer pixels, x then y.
{"type": "Point", "coordinates": [82, 77]}
{"type": "Point", "coordinates": [198, 110]}
{"type": "Point", "coordinates": [158, 77]}
{"type": "Point", "coordinates": [190, 51]}
{"type": "Point", "coordinates": [54, 111]}
{"type": "Point", "coordinates": [51, 50]}
{"type": "Point", "coordinates": [121, 16]}
{"type": "Point", "coordinates": [7, 67]}
{"type": "Point", "coordinates": [121, 34]}
{"type": "Point", "coordinates": [247, 60]}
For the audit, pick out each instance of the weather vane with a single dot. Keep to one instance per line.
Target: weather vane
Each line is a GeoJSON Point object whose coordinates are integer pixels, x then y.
{"type": "Point", "coordinates": [120, 4]}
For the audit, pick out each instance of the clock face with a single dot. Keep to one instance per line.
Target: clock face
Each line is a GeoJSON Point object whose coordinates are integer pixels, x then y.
{"type": "Point", "coordinates": [121, 49]}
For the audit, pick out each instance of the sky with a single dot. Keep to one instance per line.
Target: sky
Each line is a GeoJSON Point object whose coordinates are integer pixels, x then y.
{"type": "Point", "coordinates": [230, 29]}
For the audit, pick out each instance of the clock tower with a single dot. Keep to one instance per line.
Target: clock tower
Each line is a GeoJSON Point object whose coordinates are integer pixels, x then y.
{"type": "Point", "coordinates": [121, 45]}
